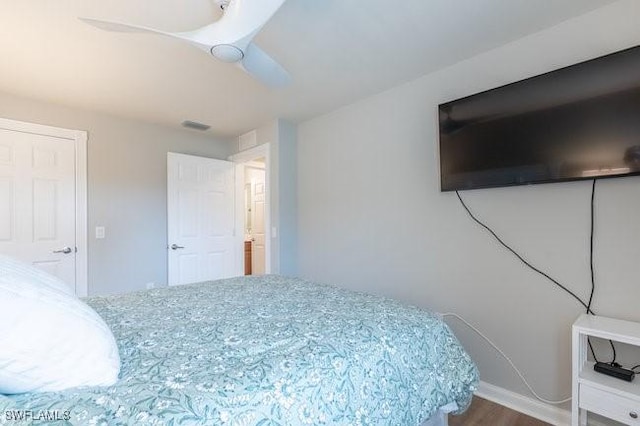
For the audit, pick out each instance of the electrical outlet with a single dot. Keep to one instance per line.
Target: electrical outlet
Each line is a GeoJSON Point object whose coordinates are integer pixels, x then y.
{"type": "Point", "coordinates": [151, 285]}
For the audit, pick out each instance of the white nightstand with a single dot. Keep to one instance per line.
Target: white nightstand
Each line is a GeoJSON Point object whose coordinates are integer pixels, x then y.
{"type": "Point", "coordinates": [596, 392]}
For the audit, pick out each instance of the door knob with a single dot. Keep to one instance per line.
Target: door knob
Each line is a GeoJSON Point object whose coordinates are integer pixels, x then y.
{"type": "Point", "coordinates": [176, 247]}
{"type": "Point", "coordinates": [65, 250]}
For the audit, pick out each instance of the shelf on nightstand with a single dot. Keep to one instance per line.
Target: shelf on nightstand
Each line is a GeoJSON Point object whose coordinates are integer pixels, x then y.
{"type": "Point", "coordinates": [610, 384]}
{"type": "Point", "coordinates": [597, 392]}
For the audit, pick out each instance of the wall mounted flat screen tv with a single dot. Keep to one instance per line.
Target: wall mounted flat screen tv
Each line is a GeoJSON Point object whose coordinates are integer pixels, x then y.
{"type": "Point", "coordinates": [579, 122]}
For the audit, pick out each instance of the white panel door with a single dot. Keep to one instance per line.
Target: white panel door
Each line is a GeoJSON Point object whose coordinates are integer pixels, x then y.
{"type": "Point", "coordinates": [37, 201]}
{"type": "Point", "coordinates": [200, 219]}
{"type": "Point", "coordinates": [258, 195]}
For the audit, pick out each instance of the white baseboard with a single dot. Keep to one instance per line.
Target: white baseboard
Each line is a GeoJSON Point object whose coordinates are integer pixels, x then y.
{"type": "Point", "coordinates": [529, 406]}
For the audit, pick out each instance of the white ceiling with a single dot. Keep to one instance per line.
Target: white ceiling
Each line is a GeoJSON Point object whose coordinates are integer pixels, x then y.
{"type": "Point", "coordinates": [337, 51]}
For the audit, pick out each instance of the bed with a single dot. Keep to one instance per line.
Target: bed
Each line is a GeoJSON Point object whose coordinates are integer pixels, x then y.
{"type": "Point", "coordinates": [269, 351]}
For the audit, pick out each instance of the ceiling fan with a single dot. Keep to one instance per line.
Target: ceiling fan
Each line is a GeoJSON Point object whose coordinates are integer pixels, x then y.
{"type": "Point", "coordinates": [228, 39]}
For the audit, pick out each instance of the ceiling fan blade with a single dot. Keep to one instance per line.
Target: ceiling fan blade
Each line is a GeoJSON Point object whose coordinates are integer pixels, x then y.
{"type": "Point", "coordinates": [241, 21]}
{"type": "Point", "coordinates": [264, 68]}
{"type": "Point", "coordinates": [121, 27]}
{"type": "Point", "coordinates": [114, 26]}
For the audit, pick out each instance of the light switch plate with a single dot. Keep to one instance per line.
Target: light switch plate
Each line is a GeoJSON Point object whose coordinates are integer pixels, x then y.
{"type": "Point", "coordinates": [100, 232]}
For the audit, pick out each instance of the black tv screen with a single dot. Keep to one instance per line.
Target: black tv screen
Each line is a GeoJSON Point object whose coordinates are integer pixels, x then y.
{"type": "Point", "coordinates": [579, 122]}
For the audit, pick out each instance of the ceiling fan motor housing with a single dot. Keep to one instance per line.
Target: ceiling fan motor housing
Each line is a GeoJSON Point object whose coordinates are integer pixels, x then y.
{"type": "Point", "coordinates": [227, 53]}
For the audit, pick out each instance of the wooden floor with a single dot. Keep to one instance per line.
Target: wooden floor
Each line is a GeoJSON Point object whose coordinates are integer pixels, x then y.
{"type": "Point", "coordinates": [483, 412]}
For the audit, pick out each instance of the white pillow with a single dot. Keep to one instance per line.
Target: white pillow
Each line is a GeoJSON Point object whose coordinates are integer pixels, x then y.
{"type": "Point", "coordinates": [49, 339]}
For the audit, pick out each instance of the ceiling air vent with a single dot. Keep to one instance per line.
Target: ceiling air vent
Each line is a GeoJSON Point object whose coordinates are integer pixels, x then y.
{"type": "Point", "coordinates": [195, 125]}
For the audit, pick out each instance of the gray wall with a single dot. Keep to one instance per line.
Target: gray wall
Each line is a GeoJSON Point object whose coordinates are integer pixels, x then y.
{"type": "Point", "coordinates": [371, 216]}
{"type": "Point", "coordinates": [288, 197]}
{"type": "Point", "coordinates": [127, 164]}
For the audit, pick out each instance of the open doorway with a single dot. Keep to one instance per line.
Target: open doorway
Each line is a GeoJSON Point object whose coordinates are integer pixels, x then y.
{"type": "Point", "coordinates": [253, 226]}
{"type": "Point", "coordinates": [255, 181]}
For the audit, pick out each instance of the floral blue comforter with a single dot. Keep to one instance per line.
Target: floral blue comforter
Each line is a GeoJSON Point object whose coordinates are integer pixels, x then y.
{"type": "Point", "coordinates": [268, 351]}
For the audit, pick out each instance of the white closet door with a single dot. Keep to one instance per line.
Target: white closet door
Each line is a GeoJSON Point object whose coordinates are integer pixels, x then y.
{"type": "Point", "coordinates": [37, 201]}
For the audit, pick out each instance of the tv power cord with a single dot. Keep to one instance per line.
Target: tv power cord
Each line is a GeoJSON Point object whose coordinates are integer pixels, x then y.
{"type": "Point", "coordinates": [587, 306]}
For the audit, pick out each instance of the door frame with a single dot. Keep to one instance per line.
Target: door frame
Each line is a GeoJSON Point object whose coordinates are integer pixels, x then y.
{"type": "Point", "coordinates": [240, 159]}
{"type": "Point", "coordinates": [248, 166]}
{"type": "Point", "coordinates": [79, 137]}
